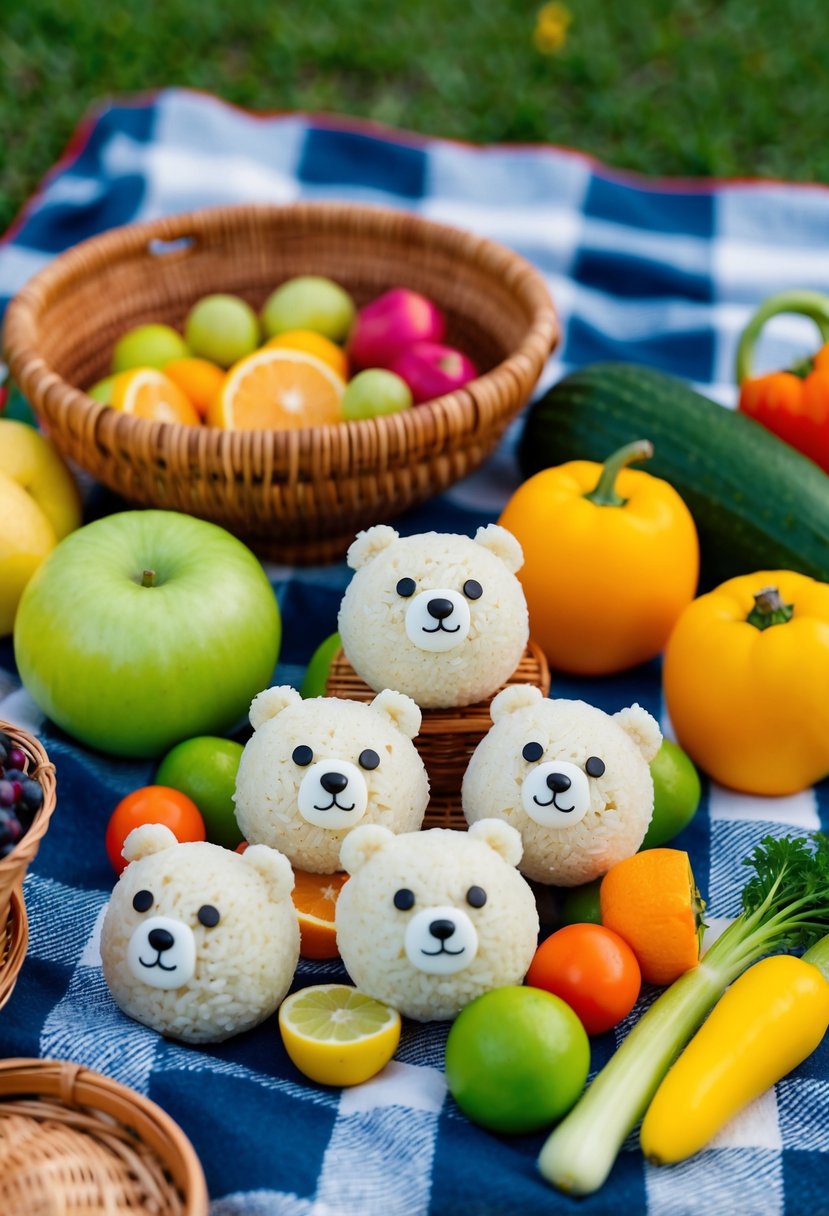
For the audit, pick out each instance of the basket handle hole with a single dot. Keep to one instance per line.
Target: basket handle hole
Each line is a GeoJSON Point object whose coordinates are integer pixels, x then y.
{"type": "Point", "coordinates": [178, 247]}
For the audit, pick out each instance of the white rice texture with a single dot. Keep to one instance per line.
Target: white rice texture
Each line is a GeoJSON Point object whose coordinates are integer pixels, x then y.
{"type": "Point", "coordinates": [372, 619]}
{"type": "Point", "coordinates": [268, 780]}
{"type": "Point", "coordinates": [244, 964]}
{"type": "Point", "coordinates": [438, 866]}
{"type": "Point", "coordinates": [621, 800]}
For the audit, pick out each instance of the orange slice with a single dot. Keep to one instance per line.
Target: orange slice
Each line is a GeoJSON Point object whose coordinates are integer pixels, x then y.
{"type": "Point", "coordinates": [148, 393]}
{"type": "Point", "coordinates": [275, 389]}
{"type": "Point", "coordinates": [651, 900]}
{"type": "Point", "coordinates": [315, 899]}
{"type": "Point", "coordinates": [199, 380]}
{"type": "Point", "coordinates": [313, 344]}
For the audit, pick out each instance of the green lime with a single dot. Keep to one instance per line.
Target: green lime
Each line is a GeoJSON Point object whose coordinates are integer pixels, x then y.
{"type": "Point", "coordinates": [316, 674]}
{"type": "Point", "coordinates": [222, 328]}
{"type": "Point", "coordinates": [148, 346]}
{"type": "Point", "coordinates": [205, 769]}
{"type": "Point", "coordinates": [309, 302]}
{"type": "Point", "coordinates": [102, 390]}
{"type": "Point", "coordinates": [516, 1059]}
{"type": "Point", "coordinates": [676, 794]}
{"type": "Point", "coordinates": [580, 905]}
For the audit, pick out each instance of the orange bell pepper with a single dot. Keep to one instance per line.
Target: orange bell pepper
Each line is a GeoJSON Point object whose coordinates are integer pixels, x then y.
{"type": "Point", "coordinates": [745, 677]}
{"type": "Point", "coordinates": [793, 404]}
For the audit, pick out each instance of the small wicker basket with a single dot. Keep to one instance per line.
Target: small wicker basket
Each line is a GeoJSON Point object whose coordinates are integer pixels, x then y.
{"type": "Point", "coordinates": [14, 941]}
{"type": "Point", "coordinates": [297, 496]}
{"type": "Point", "coordinates": [448, 737]}
{"type": "Point", "coordinates": [75, 1143]}
{"type": "Point", "coordinates": [13, 868]}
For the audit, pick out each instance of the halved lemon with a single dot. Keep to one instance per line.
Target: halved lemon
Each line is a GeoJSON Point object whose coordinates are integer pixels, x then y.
{"type": "Point", "coordinates": [313, 344]}
{"type": "Point", "coordinates": [315, 899]}
{"type": "Point", "coordinates": [150, 394]}
{"type": "Point", "coordinates": [336, 1035]}
{"type": "Point", "coordinates": [275, 389]}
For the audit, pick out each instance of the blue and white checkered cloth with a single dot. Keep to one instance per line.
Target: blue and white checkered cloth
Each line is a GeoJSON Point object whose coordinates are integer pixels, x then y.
{"type": "Point", "coordinates": [658, 272]}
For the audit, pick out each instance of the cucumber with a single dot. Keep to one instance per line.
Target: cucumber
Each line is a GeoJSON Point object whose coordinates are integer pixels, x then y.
{"type": "Point", "coordinates": [758, 504]}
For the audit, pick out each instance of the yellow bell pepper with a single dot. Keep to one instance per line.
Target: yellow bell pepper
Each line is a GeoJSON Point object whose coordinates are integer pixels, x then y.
{"type": "Point", "coordinates": [611, 558]}
{"type": "Point", "coordinates": [745, 677]}
{"type": "Point", "coordinates": [769, 1021]}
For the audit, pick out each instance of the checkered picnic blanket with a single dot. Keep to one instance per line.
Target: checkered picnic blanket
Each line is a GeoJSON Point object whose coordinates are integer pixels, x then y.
{"type": "Point", "coordinates": [658, 272]}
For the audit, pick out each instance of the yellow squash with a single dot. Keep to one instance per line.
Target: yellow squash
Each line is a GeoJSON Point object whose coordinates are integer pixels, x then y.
{"type": "Point", "coordinates": [745, 677]}
{"type": "Point", "coordinates": [769, 1021]}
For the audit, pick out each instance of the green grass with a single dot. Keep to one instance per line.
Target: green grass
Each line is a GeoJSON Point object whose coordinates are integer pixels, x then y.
{"type": "Point", "coordinates": [735, 87]}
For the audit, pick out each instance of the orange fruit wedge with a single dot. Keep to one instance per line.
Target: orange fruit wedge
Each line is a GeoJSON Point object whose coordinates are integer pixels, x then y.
{"type": "Point", "coordinates": [149, 394]}
{"type": "Point", "coordinates": [274, 389]}
{"type": "Point", "coordinates": [651, 901]}
{"type": "Point", "coordinates": [315, 899]}
{"type": "Point", "coordinates": [199, 380]}
{"type": "Point", "coordinates": [313, 344]}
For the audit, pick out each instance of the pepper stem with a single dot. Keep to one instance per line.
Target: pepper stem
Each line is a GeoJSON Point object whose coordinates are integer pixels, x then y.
{"type": "Point", "coordinates": [805, 303]}
{"type": "Point", "coordinates": [148, 578]}
{"type": "Point", "coordinates": [604, 494]}
{"type": "Point", "coordinates": [769, 609]}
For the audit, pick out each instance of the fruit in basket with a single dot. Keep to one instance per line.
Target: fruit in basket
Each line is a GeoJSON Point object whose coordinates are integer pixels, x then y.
{"type": "Point", "coordinates": [148, 346]}
{"type": "Point", "coordinates": [313, 344]}
{"type": "Point", "coordinates": [145, 628]}
{"type": "Point", "coordinates": [431, 369]}
{"type": "Point", "coordinates": [147, 393]}
{"type": "Point", "coordinates": [282, 389]}
{"type": "Point", "coordinates": [204, 769]}
{"type": "Point", "coordinates": [309, 301]}
{"type": "Point", "coordinates": [101, 390]}
{"type": "Point", "coordinates": [199, 380]}
{"type": "Point", "coordinates": [373, 393]}
{"type": "Point", "coordinates": [21, 796]}
{"type": "Point", "coordinates": [39, 505]}
{"type": "Point", "coordinates": [336, 1035]}
{"type": "Point", "coordinates": [222, 328]}
{"type": "Point", "coordinates": [516, 1059]}
{"type": "Point", "coordinates": [152, 804]}
{"type": "Point", "coordinates": [393, 321]}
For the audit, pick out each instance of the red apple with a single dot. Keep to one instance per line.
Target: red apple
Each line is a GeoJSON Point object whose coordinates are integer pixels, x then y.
{"type": "Point", "coordinates": [431, 369]}
{"type": "Point", "coordinates": [390, 323]}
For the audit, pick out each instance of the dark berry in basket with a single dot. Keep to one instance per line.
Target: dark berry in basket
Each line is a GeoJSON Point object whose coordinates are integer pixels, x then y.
{"type": "Point", "coordinates": [11, 829]}
{"type": "Point", "coordinates": [32, 795]}
{"type": "Point", "coordinates": [16, 758]}
{"type": "Point", "coordinates": [7, 794]}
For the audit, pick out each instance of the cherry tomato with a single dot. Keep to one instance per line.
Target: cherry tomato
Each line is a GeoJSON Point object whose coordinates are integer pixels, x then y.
{"type": "Point", "coordinates": [592, 969]}
{"type": "Point", "coordinates": [152, 804]}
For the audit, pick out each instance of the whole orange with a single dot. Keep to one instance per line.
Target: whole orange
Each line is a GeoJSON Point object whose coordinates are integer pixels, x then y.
{"type": "Point", "coordinates": [199, 380]}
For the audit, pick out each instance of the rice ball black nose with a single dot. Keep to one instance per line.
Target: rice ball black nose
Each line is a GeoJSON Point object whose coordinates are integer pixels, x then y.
{"type": "Point", "coordinates": [333, 783]}
{"type": "Point", "coordinates": [441, 929]}
{"type": "Point", "coordinates": [161, 940]}
{"type": "Point", "coordinates": [558, 783]}
{"type": "Point", "coordinates": [440, 609]}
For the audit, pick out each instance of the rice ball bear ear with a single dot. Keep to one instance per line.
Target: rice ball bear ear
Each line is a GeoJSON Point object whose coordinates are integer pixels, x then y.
{"type": "Point", "coordinates": [642, 728]}
{"type": "Point", "coordinates": [500, 836]}
{"type": "Point", "coordinates": [401, 711]}
{"type": "Point", "coordinates": [369, 544]}
{"type": "Point", "coordinates": [266, 705]}
{"type": "Point", "coordinates": [362, 843]}
{"type": "Point", "coordinates": [503, 544]}
{"type": "Point", "coordinates": [512, 698]}
{"type": "Point", "coordinates": [147, 839]}
{"type": "Point", "coordinates": [274, 868]}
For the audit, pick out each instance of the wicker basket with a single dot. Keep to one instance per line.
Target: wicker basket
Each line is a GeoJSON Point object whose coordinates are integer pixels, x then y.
{"type": "Point", "coordinates": [296, 496]}
{"type": "Point", "coordinates": [14, 940]}
{"type": "Point", "coordinates": [75, 1143]}
{"type": "Point", "coordinates": [448, 737]}
{"type": "Point", "coordinates": [13, 868]}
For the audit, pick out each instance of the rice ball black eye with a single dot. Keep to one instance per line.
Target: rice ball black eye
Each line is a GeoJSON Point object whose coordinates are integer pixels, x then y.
{"type": "Point", "coordinates": [142, 901]}
{"type": "Point", "coordinates": [594, 766]}
{"type": "Point", "coordinates": [472, 589]}
{"type": "Point", "coordinates": [208, 915]}
{"type": "Point", "coordinates": [476, 897]}
{"type": "Point", "coordinates": [532, 752]}
{"type": "Point", "coordinates": [368, 759]}
{"type": "Point", "coordinates": [406, 587]}
{"type": "Point", "coordinates": [302, 755]}
{"type": "Point", "coordinates": [404, 899]}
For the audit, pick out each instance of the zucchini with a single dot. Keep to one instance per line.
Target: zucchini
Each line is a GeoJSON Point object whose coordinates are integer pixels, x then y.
{"type": "Point", "coordinates": [758, 504]}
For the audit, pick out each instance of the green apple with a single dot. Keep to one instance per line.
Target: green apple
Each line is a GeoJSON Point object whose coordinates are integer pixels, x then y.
{"type": "Point", "coordinates": [148, 346]}
{"type": "Point", "coordinates": [309, 302]}
{"type": "Point", "coordinates": [375, 392]}
{"type": "Point", "coordinates": [205, 770]}
{"type": "Point", "coordinates": [145, 628]}
{"type": "Point", "coordinates": [222, 328]}
{"type": "Point", "coordinates": [101, 390]}
{"type": "Point", "coordinates": [316, 673]}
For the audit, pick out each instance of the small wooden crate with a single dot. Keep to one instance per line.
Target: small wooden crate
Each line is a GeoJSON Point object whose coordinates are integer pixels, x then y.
{"type": "Point", "coordinates": [448, 737]}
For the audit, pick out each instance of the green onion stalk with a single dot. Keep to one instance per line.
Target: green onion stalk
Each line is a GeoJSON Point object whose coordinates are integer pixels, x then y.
{"type": "Point", "coordinates": [785, 907]}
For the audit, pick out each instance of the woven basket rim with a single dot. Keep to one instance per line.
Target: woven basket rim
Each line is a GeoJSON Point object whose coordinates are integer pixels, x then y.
{"type": "Point", "coordinates": [23, 311]}
{"type": "Point", "coordinates": [16, 935]}
{"type": "Point", "coordinates": [75, 1086]}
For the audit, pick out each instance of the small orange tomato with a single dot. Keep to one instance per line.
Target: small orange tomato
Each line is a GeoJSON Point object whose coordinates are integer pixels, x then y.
{"type": "Point", "coordinates": [152, 804]}
{"type": "Point", "coordinates": [592, 970]}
